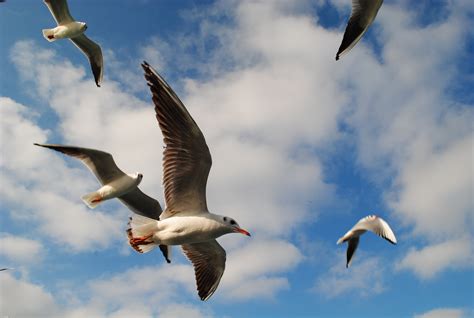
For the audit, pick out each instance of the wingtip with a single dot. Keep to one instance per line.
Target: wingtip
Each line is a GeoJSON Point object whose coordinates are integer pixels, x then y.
{"type": "Point", "coordinates": [337, 57]}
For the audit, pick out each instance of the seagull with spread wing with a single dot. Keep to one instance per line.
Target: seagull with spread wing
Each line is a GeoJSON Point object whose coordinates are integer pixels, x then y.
{"type": "Point", "coordinates": [362, 16]}
{"type": "Point", "coordinates": [371, 223]}
{"type": "Point", "coordinates": [186, 220]}
{"type": "Point", "coordinates": [74, 30]}
{"type": "Point", "coordinates": [115, 183]}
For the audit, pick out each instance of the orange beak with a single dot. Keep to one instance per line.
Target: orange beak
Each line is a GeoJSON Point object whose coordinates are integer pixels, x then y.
{"type": "Point", "coordinates": [239, 230]}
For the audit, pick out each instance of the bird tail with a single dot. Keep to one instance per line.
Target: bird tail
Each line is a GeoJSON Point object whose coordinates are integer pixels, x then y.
{"type": "Point", "coordinates": [140, 233]}
{"type": "Point", "coordinates": [49, 35]}
{"type": "Point", "coordinates": [92, 199]}
{"type": "Point", "coordinates": [340, 240]}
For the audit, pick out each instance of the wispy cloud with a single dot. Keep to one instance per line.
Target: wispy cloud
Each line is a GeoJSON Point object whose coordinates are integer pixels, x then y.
{"type": "Point", "coordinates": [364, 278]}
{"type": "Point", "coordinates": [20, 250]}
{"type": "Point", "coordinates": [443, 313]}
{"type": "Point", "coordinates": [432, 259]}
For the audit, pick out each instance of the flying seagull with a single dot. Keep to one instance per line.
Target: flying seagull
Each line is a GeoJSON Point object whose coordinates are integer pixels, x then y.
{"type": "Point", "coordinates": [362, 16]}
{"type": "Point", "coordinates": [115, 183]}
{"type": "Point", "coordinates": [186, 220]}
{"type": "Point", "coordinates": [369, 223]}
{"type": "Point", "coordinates": [74, 30]}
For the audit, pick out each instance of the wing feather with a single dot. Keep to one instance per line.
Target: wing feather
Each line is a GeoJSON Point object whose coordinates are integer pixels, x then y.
{"type": "Point", "coordinates": [186, 158]}
{"type": "Point", "coordinates": [60, 11]}
{"type": "Point", "coordinates": [362, 15]}
{"type": "Point", "coordinates": [94, 53]}
{"type": "Point", "coordinates": [377, 225]}
{"type": "Point", "coordinates": [208, 259]}
{"type": "Point", "coordinates": [100, 163]}
{"type": "Point", "coordinates": [142, 204]}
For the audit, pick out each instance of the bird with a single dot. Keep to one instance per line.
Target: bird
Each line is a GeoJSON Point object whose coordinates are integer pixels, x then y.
{"type": "Point", "coordinates": [369, 223]}
{"type": "Point", "coordinates": [186, 220]}
{"type": "Point", "coordinates": [362, 15]}
{"type": "Point", "coordinates": [74, 30]}
{"type": "Point", "coordinates": [115, 183]}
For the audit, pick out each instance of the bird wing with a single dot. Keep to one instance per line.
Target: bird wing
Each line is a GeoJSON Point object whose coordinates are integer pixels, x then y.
{"type": "Point", "coordinates": [94, 53]}
{"type": "Point", "coordinates": [378, 226]}
{"type": "Point", "coordinates": [100, 163]}
{"type": "Point", "coordinates": [186, 158]}
{"type": "Point", "coordinates": [362, 15]}
{"type": "Point", "coordinates": [351, 248]}
{"type": "Point", "coordinates": [60, 11]}
{"type": "Point", "coordinates": [208, 259]}
{"type": "Point", "coordinates": [142, 204]}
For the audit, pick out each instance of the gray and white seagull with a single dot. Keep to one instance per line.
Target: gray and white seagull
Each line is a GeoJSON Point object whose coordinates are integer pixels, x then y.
{"type": "Point", "coordinates": [186, 220]}
{"type": "Point", "coordinates": [115, 183]}
{"type": "Point", "coordinates": [362, 15]}
{"type": "Point", "coordinates": [74, 30]}
{"type": "Point", "coordinates": [371, 223]}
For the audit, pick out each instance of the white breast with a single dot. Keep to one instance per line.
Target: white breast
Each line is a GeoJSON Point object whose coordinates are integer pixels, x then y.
{"type": "Point", "coordinates": [118, 187]}
{"type": "Point", "coordinates": [69, 30]}
{"type": "Point", "coordinates": [187, 229]}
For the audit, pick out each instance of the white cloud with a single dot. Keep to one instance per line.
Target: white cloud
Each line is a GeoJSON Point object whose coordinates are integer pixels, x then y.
{"type": "Point", "coordinates": [183, 310]}
{"type": "Point", "coordinates": [21, 250]}
{"type": "Point", "coordinates": [27, 173]}
{"type": "Point", "coordinates": [432, 259]}
{"type": "Point", "coordinates": [442, 313]}
{"type": "Point", "coordinates": [257, 269]}
{"type": "Point", "coordinates": [39, 302]}
{"type": "Point", "coordinates": [365, 277]}
{"type": "Point", "coordinates": [139, 292]}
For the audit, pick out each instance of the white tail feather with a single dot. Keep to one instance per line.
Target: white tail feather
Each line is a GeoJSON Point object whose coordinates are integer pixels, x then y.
{"type": "Point", "coordinates": [49, 35]}
{"type": "Point", "coordinates": [92, 199]}
{"type": "Point", "coordinates": [140, 227]}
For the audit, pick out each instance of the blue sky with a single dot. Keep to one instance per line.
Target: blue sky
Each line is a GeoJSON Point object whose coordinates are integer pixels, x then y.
{"type": "Point", "coordinates": [302, 146]}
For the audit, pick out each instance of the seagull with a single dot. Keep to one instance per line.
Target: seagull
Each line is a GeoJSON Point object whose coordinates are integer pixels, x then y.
{"type": "Point", "coordinates": [74, 30]}
{"type": "Point", "coordinates": [369, 223]}
{"type": "Point", "coordinates": [115, 183]}
{"type": "Point", "coordinates": [186, 220]}
{"type": "Point", "coordinates": [362, 16]}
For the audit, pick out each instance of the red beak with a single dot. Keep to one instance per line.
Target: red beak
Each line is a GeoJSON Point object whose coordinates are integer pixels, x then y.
{"type": "Point", "coordinates": [239, 230]}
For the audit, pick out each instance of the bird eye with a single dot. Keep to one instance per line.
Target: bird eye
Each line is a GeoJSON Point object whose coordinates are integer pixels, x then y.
{"type": "Point", "coordinates": [232, 222]}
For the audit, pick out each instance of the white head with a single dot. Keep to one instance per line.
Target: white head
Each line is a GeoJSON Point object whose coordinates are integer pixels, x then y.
{"type": "Point", "coordinates": [83, 26]}
{"type": "Point", "coordinates": [233, 226]}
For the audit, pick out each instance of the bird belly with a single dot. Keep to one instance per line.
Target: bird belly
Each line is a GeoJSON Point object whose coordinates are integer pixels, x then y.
{"type": "Point", "coordinates": [69, 30]}
{"type": "Point", "coordinates": [117, 187]}
{"type": "Point", "coordinates": [184, 230]}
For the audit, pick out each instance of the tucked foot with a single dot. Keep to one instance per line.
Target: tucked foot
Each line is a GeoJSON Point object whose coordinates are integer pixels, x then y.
{"type": "Point", "coordinates": [135, 242]}
{"type": "Point", "coordinates": [50, 37]}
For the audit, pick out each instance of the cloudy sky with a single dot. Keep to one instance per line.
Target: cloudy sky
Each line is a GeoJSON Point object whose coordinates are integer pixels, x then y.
{"type": "Point", "coordinates": [303, 147]}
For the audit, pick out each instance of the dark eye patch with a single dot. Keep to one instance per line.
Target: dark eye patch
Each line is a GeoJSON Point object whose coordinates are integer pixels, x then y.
{"type": "Point", "coordinates": [225, 219]}
{"type": "Point", "coordinates": [232, 222]}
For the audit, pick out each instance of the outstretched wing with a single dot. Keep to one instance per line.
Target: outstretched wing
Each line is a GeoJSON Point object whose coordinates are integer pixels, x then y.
{"type": "Point", "coordinates": [94, 53]}
{"type": "Point", "coordinates": [60, 11]}
{"type": "Point", "coordinates": [100, 163]}
{"type": "Point", "coordinates": [363, 13]}
{"type": "Point", "coordinates": [208, 259]}
{"type": "Point", "coordinates": [186, 159]}
{"type": "Point", "coordinates": [351, 248]}
{"type": "Point", "coordinates": [377, 225]}
{"type": "Point", "coordinates": [142, 204]}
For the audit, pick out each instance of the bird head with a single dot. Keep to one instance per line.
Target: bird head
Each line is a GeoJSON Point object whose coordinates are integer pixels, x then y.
{"type": "Point", "coordinates": [83, 26]}
{"type": "Point", "coordinates": [233, 226]}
